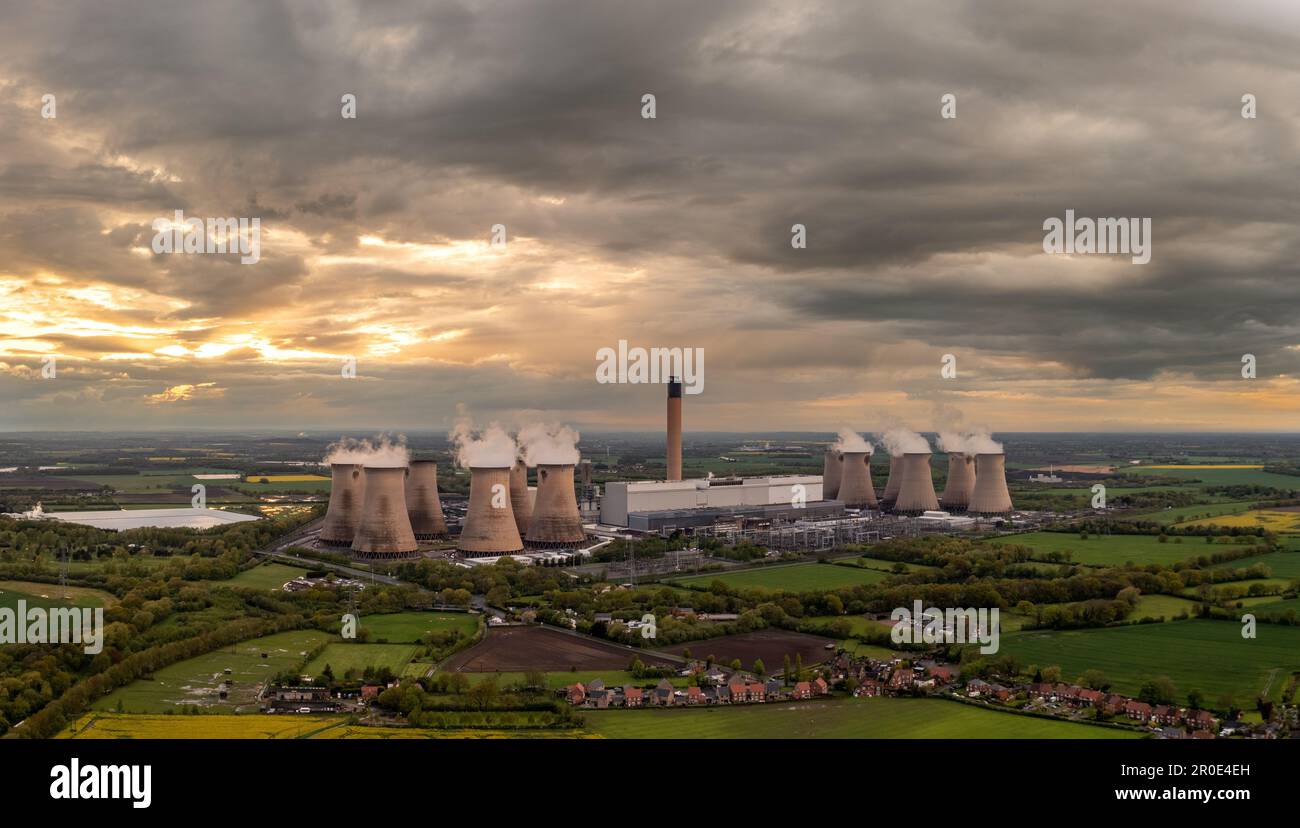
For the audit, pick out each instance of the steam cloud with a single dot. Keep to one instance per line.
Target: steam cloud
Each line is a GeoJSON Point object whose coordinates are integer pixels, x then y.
{"type": "Point", "coordinates": [383, 452]}
{"type": "Point", "coordinates": [899, 441]}
{"type": "Point", "coordinates": [850, 440]}
{"type": "Point", "coordinates": [953, 437]}
{"type": "Point", "coordinates": [491, 448]}
{"type": "Point", "coordinates": [552, 444]}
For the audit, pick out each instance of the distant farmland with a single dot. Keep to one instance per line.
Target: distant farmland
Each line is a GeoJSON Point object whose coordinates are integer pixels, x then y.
{"type": "Point", "coordinates": [1112, 550]}
{"type": "Point", "coordinates": [792, 578]}
{"type": "Point", "coordinates": [1239, 476]}
{"type": "Point", "coordinates": [878, 718]}
{"type": "Point", "coordinates": [1210, 656]}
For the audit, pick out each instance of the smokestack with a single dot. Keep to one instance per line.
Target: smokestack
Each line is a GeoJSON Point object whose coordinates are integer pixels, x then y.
{"type": "Point", "coordinates": [584, 472]}
{"type": "Point", "coordinates": [891, 483]}
{"type": "Point", "coordinates": [385, 529]}
{"type": "Point", "coordinates": [519, 502]}
{"type": "Point", "coordinates": [916, 489]}
{"type": "Point", "coordinates": [556, 521]}
{"type": "Point", "coordinates": [489, 527]}
{"type": "Point", "coordinates": [674, 428]}
{"type": "Point", "coordinates": [343, 515]}
{"type": "Point", "coordinates": [855, 489]}
{"type": "Point", "coordinates": [831, 464]}
{"type": "Point", "coordinates": [961, 482]}
{"type": "Point", "coordinates": [990, 495]}
{"type": "Point", "coordinates": [422, 503]}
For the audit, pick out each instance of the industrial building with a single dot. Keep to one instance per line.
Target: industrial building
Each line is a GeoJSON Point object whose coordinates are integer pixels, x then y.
{"type": "Point", "coordinates": [721, 494]}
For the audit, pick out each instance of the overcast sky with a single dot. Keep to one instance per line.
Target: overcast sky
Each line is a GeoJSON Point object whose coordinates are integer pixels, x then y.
{"type": "Point", "coordinates": [924, 234]}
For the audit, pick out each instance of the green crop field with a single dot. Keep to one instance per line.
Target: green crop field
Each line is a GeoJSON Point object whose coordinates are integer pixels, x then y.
{"type": "Point", "coordinates": [1226, 477]}
{"type": "Point", "coordinates": [1270, 604]}
{"type": "Point", "coordinates": [1210, 656]}
{"type": "Point", "coordinates": [195, 681]}
{"type": "Point", "coordinates": [265, 576]}
{"type": "Point", "coordinates": [410, 627]}
{"type": "Point", "coordinates": [1282, 564]}
{"type": "Point", "coordinates": [791, 578]}
{"type": "Point", "coordinates": [1112, 550]}
{"type": "Point", "coordinates": [47, 596]}
{"type": "Point", "coordinates": [1182, 514]}
{"type": "Point", "coordinates": [1162, 606]}
{"type": "Point", "coordinates": [102, 725]}
{"type": "Point", "coordinates": [878, 718]}
{"type": "Point", "coordinates": [342, 656]}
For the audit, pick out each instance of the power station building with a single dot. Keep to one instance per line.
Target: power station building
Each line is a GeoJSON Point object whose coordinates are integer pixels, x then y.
{"type": "Point", "coordinates": [653, 505]}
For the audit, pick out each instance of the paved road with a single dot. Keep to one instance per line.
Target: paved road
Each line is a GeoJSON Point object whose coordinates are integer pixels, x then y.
{"type": "Point", "coordinates": [305, 533]}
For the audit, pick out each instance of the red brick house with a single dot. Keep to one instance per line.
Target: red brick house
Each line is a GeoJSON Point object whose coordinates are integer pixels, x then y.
{"type": "Point", "coordinates": [1090, 698]}
{"type": "Point", "coordinates": [901, 679]}
{"type": "Point", "coordinates": [1139, 711]}
{"type": "Point", "coordinates": [739, 690]}
{"type": "Point", "coordinates": [694, 695]}
{"type": "Point", "coordinates": [576, 693]}
{"type": "Point", "coordinates": [869, 688]}
{"type": "Point", "coordinates": [802, 690]}
{"type": "Point", "coordinates": [756, 692]}
{"type": "Point", "coordinates": [633, 696]}
{"type": "Point", "coordinates": [820, 687]}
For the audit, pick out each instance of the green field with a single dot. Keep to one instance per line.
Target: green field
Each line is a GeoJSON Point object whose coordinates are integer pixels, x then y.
{"type": "Point", "coordinates": [195, 680]}
{"type": "Point", "coordinates": [791, 578]}
{"type": "Point", "coordinates": [1210, 656]}
{"type": "Point", "coordinates": [265, 576]}
{"type": "Point", "coordinates": [411, 627]}
{"type": "Point", "coordinates": [48, 596]}
{"type": "Point", "coordinates": [1162, 606]}
{"type": "Point", "coordinates": [1282, 564]}
{"type": "Point", "coordinates": [342, 656]}
{"type": "Point", "coordinates": [1112, 550]}
{"type": "Point", "coordinates": [1227, 477]}
{"type": "Point", "coordinates": [102, 725]}
{"type": "Point", "coordinates": [878, 718]}
{"type": "Point", "coordinates": [1182, 514]}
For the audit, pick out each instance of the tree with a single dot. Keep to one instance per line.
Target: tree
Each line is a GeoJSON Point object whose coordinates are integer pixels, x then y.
{"type": "Point", "coordinates": [1052, 674]}
{"type": "Point", "coordinates": [759, 667]}
{"type": "Point", "coordinates": [785, 672]}
{"type": "Point", "coordinates": [1094, 680]}
{"type": "Point", "coordinates": [1195, 698]}
{"type": "Point", "coordinates": [1159, 690]}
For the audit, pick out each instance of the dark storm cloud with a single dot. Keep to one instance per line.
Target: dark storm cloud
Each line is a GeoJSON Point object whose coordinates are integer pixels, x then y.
{"type": "Point", "coordinates": [769, 114]}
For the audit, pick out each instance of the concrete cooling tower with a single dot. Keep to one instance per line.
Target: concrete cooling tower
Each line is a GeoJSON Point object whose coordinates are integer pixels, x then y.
{"type": "Point", "coordinates": [961, 482]}
{"type": "Point", "coordinates": [489, 527]}
{"type": "Point", "coordinates": [519, 501]}
{"type": "Point", "coordinates": [916, 489]}
{"type": "Point", "coordinates": [423, 505]}
{"type": "Point", "coordinates": [891, 483]}
{"type": "Point", "coordinates": [555, 521]}
{"type": "Point", "coordinates": [347, 490]}
{"type": "Point", "coordinates": [385, 528]}
{"type": "Point", "coordinates": [856, 491]}
{"type": "Point", "coordinates": [990, 496]}
{"type": "Point", "coordinates": [831, 474]}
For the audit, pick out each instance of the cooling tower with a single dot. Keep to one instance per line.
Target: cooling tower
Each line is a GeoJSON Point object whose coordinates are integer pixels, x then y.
{"type": "Point", "coordinates": [519, 501]}
{"type": "Point", "coordinates": [555, 518]}
{"type": "Point", "coordinates": [347, 491]}
{"type": "Point", "coordinates": [990, 495]}
{"type": "Point", "coordinates": [385, 528]}
{"type": "Point", "coordinates": [422, 503]}
{"type": "Point", "coordinates": [489, 527]}
{"type": "Point", "coordinates": [891, 483]}
{"type": "Point", "coordinates": [916, 489]}
{"type": "Point", "coordinates": [831, 474]}
{"type": "Point", "coordinates": [674, 429]}
{"type": "Point", "coordinates": [856, 491]}
{"type": "Point", "coordinates": [961, 482]}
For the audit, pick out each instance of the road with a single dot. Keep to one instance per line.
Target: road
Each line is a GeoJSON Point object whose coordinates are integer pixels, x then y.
{"type": "Point", "coordinates": [301, 536]}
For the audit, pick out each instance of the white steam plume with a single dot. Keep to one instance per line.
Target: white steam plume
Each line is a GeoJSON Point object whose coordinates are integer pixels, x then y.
{"type": "Point", "coordinates": [382, 452]}
{"type": "Point", "coordinates": [850, 440]}
{"type": "Point", "coordinates": [552, 444]}
{"type": "Point", "coordinates": [956, 437]}
{"type": "Point", "coordinates": [491, 448]}
{"type": "Point", "coordinates": [899, 441]}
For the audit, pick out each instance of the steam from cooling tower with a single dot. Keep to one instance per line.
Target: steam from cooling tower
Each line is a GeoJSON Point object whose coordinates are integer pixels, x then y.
{"type": "Point", "coordinates": [955, 437]}
{"type": "Point", "coordinates": [899, 441]}
{"type": "Point", "coordinates": [851, 441]}
{"type": "Point", "coordinates": [491, 448]}
{"type": "Point", "coordinates": [548, 444]}
{"type": "Point", "coordinates": [383, 452]}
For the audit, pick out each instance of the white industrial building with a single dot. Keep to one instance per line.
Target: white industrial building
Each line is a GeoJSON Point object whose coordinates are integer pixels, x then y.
{"type": "Point", "coordinates": [624, 498]}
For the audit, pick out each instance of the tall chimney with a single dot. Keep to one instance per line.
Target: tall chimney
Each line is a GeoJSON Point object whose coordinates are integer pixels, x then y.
{"type": "Point", "coordinates": [385, 529]}
{"type": "Point", "coordinates": [584, 472]}
{"type": "Point", "coordinates": [831, 464]}
{"type": "Point", "coordinates": [422, 502]}
{"type": "Point", "coordinates": [556, 521]}
{"type": "Point", "coordinates": [347, 491]}
{"type": "Point", "coordinates": [892, 482]}
{"type": "Point", "coordinates": [519, 502]}
{"type": "Point", "coordinates": [961, 482]}
{"type": "Point", "coordinates": [855, 489]}
{"type": "Point", "coordinates": [489, 527]}
{"type": "Point", "coordinates": [674, 428]}
{"type": "Point", "coordinates": [990, 496]}
{"type": "Point", "coordinates": [916, 490]}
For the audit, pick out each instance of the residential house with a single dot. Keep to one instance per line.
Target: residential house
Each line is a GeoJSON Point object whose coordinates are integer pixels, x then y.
{"type": "Point", "coordinates": [820, 687]}
{"type": "Point", "coordinates": [1090, 698]}
{"type": "Point", "coordinates": [1113, 703]}
{"type": "Point", "coordinates": [663, 693]}
{"type": "Point", "coordinates": [694, 695]}
{"type": "Point", "coordinates": [900, 680]}
{"type": "Point", "coordinates": [869, 688]}
{"type": "Point", "coordinates": [1200, 719]}
{"type": "Point", "coordinates": [772, 690]}
{"type": "Point", "coordinates": [576, 693]}
{"type": "Point", "coordinates": [633, 696]}
{"type": "Point", "coordinates": [975, 688]}
{"type": "Point", "coordinates": [802, 690]}
{"type": "Point", "coordinates": [1138, 711]}
{"type": "Point", "coordinates": [755, 691]}
{"type": "Point", "coordinates": [739, 689]}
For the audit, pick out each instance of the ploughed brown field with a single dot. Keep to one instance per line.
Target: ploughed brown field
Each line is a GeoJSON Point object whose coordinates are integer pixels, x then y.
{"type": "Point", "coordinates": [519, 649]}
{"type": "Point", "coordinates": [14, 480]}
{"type": "Point", "coordinates": [770, 645]}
